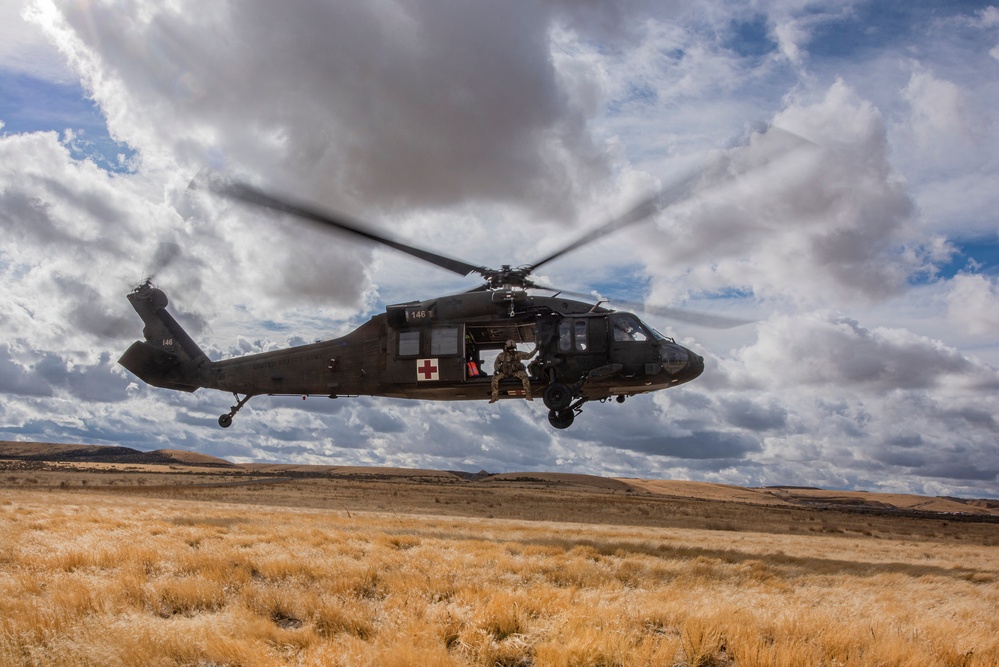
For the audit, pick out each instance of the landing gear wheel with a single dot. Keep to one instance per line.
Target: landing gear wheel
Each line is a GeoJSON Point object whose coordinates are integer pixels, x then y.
{"type": "Point", "coordinates": [561, 418]}
{"type": "Point", "coordinates": [225, 421]}
{"type": "Point", "coordinates": [557, 397]}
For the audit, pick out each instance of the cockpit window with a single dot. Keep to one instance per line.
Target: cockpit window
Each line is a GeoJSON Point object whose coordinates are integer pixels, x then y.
{"type": "Point", "coordinates": [628, 329]}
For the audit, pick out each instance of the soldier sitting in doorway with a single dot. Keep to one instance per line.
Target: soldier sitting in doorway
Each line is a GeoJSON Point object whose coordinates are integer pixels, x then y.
{"type": "Point", "coordinates": [509, 364]}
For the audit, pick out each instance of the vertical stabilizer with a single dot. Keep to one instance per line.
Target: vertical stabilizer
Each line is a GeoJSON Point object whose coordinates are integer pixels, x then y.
{"type": "Point", "coordinates": [168, 357]}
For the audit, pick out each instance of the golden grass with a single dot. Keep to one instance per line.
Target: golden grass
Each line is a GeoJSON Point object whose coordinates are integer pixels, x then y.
{"type": "Point", "coordinates": [113, 580]}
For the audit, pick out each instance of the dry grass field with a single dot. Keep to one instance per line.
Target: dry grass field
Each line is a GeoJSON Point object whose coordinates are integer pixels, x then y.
{"type": "Point", "coordinates": [168, 565]}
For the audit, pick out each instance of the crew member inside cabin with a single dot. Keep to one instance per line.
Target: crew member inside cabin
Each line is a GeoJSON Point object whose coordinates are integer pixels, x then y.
{"type": "Point", "coordinates": [509, 363]}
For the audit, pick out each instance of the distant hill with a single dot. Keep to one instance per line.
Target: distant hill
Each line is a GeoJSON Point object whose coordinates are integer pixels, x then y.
{"type": "Point", "coordinates": [51, 452]}
{"type": "Point", "coordinates": [778, 496]}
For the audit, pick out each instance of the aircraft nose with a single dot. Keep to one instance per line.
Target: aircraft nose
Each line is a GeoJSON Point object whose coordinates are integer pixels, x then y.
{"type": "Point", "coordinates": [683, 364]}
{"type": "Point", "coordinates": [695, 366]}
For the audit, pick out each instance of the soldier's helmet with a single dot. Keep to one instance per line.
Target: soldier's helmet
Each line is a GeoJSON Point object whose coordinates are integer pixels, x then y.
{"type": "Point", "coordinates": [510, 344]}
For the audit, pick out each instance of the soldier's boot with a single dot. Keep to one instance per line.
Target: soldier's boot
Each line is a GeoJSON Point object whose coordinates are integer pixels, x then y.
{"type": "Point", "coordinates": [527, 391]}
{"type": "Point", "coordinates": [494, 397]}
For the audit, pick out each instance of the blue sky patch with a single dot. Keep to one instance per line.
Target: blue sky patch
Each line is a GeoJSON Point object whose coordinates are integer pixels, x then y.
{"type": "Point", "coordinates": [28, 105]}
{"type": "Point", "coordinates": [877, 25]}
{"type": "Point", "coordinates": [751, 39]}
{"type": "Point", "coordinates": [630, 283]}
{"type": "Point", "coordinates": [973, 256]}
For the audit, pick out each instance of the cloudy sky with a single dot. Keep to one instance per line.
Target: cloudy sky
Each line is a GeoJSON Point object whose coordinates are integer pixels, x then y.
{"type": "Point", "coordinates": [867, 255]}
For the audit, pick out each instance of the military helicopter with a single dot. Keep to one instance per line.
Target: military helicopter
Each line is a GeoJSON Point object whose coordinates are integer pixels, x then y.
{"type": "Point", "coordinates": [432, 349]}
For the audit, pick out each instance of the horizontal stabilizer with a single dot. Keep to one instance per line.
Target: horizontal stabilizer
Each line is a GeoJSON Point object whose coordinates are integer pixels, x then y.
{"type": "Point", "coordinates": [155, 366]}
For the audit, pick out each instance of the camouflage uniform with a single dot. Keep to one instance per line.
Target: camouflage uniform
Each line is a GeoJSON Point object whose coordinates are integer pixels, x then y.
{"type": "Point", "coordinates": [508, 364]}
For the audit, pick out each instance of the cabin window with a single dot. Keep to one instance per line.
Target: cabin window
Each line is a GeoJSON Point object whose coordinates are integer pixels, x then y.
{"type": "Point", "coordinates": [564, 336]}
{"type": "Point", "coordinates": [444, 341]}
{"type": "Point", "coordinates": [409, 343]}
{"type": "Point", "coordinates": [580, 328]}
{"type": "Point", "coordinates": [574, 335]}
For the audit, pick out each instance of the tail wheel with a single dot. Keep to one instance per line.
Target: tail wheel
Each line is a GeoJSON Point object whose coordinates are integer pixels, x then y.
{"type": "Point", "coordinates": [225, 421]}
{"type": "Point", "coordinates": [557, 397]}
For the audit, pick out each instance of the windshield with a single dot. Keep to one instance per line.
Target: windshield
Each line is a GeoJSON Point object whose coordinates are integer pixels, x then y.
{"type": "Point", "coordinates": [658, 335]}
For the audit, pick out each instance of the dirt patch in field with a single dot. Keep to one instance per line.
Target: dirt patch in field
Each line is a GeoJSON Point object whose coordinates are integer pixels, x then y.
{"type": "Point", "coordinates": [706, 491]}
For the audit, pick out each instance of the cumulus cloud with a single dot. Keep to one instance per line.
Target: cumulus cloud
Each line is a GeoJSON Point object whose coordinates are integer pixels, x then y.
{"type": "Point", "coordinates": [988, 18]}
{"type": "Point", "coordinates": [17, 378]}
{"type": "Point", "coordinates": [381, 111]}
{"type": "Point", "coordinates": [822, 390]}
{"type": "Point", "coordinates": [24, 48]}
{"type": "Point", "coordinates": [828, 350]}
{"type": "Point", "coordinates": [827, 224]}
{"type": "Point", "coordinates": [390, 104]}
{"type": "Point", "coordinates": [939, 124]}
{"type": "Point", "coordinates": [973, 303]}
{"type": "Point", "coordinates": [76, 235]}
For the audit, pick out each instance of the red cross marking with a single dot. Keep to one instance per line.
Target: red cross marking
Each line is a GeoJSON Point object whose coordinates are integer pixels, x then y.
{"type": "Point", "coordinates": [428, 369]}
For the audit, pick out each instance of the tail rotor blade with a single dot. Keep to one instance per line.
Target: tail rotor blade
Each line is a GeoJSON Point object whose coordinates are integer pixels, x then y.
{"type": "Point", "coordinates": [167, 253]}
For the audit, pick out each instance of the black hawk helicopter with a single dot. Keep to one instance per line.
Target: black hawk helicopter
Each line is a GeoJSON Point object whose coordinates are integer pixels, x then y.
{"type": "Point", "coordinates": [432, 349]}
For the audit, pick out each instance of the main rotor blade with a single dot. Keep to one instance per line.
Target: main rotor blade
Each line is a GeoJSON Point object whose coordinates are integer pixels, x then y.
{"type": "Point", "coordinates": [645, 209]}
{"type": "Point", "coordinates": [680, 191]}
{"type": "Point", "coordinates": [697, 318]}
{"type": "Point", "coordinates": [256, 197]}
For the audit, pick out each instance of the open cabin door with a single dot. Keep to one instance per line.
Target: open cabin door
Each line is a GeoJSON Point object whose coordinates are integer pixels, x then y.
{"type": "Point", "coordinates": [484, 340]}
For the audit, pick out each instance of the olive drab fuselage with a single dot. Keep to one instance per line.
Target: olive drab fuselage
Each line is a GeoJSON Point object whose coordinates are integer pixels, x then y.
{"type": "Point", "coordinates": [422, 350]}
